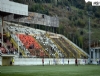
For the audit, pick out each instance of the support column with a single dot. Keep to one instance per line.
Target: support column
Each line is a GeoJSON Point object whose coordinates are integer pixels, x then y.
{"type": "Point", "coordinates": [97, 53]}
{"type": "Point", "coordinates": [18, 37]}
{"type": "Point", "coordinates": [94, 54]}
{"type": "Point", "coordinates": [2, 31]}
{"type": "Point", "coordinates": [91, 53]}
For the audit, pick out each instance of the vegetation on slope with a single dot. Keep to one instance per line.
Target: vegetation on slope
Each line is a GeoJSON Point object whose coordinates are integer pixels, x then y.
{"type": "Point", "coordinates": [74, 18]}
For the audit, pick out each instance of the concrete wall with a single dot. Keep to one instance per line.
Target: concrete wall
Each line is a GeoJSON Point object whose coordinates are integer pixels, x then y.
{"type": "Point", "coordinates": [47, 61]}
{"type": "Point", "coordinates": [0, 60]}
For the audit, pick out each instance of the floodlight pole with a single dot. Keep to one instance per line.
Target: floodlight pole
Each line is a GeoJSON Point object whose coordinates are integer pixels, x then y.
{"type": "Point", "coordinates": [89, 39]}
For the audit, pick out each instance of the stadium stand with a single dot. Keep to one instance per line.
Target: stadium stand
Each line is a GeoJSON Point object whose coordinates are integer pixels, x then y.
{"type": "Point", "coordinates": [38, 43]}
{"type": "Point", "coordinates": [67, 47]}
{"type": "Point", "coordinates": [49, 46]}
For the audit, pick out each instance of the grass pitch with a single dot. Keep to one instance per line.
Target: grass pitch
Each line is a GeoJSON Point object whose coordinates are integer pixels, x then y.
{"type": "Point", "coordinates": [51, 70]}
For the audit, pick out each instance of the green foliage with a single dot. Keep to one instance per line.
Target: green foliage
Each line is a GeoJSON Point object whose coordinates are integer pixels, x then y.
{"type": "Point", "coordinates": [80, 23]}
{"type": "Point", "coordinates": [61, 28]}
{"type": "Point", "coordinates": [43, 1]}
{"type": "Point", "coordinates": [39, 8]}
{"type": "Point", "coordinates": [88, 6]}
{"type": "Point", "coordinates": [70, 17]}
{"type": "Point", "coordinates": [97, 14]}
{"type": "Point", "coordinates": [78, 3]}
{"type": "Point", "coordinates": [80, 13]}
{"type": "Point", "coordinates": [80, 38]}
{"type": "Point", "coordinates": [63, 3]}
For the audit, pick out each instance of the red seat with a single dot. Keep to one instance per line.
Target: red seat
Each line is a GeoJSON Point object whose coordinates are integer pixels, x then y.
{"type": "Point", "coordinates": [28, 40]}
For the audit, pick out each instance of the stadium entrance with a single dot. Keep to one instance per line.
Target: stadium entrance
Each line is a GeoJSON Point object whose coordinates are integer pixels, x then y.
{"type": "Point", "coordinates": [95, 55]}
{"type": "Point", "coordinates": [7, 60]}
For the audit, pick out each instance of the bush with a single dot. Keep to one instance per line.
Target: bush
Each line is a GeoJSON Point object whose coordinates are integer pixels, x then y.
{"type": "Point", "coordinates": [81, 23]}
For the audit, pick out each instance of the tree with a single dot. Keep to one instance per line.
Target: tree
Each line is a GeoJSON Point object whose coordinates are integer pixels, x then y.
{"type": "Point", "coordinates": [81, 23]}
{"type": "Point", "coordinates": [88, 6]}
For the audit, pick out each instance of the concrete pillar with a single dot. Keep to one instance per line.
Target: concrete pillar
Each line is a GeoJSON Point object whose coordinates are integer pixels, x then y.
{"type": "Point", "coordinates": [91, 53]}
{"type": "Point", "coordinates": [94, 54]}
{"type": "Point", "coordinates": [97, 53]}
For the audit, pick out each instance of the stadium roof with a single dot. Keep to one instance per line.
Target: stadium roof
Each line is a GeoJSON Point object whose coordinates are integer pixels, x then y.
{"type": "Point", "coordinates": [37, 18]}
{"type": "Point", "coordinates": [8, 7]}
{"type": "Point", "coordinates": [7, 55]}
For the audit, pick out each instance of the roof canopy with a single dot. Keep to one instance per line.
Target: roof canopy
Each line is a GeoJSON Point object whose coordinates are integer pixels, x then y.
{"type": "Point", "coordinates": [36, 18]}
{"type": "Point", "coordinates": [7, 55]}
{"type": "Point", "coordinates": [7, 7]}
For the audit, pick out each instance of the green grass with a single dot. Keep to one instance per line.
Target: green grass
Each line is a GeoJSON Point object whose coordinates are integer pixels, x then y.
{"type": "Point", "coordinates": [53, 70]}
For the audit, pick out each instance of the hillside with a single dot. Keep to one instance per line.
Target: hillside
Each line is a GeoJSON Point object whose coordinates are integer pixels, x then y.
{"type": "Point", "coordinates": [74, 18]}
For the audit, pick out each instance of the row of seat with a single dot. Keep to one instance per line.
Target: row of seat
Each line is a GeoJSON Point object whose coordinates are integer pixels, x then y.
{"type": "Point", "coordinates": [49, 46]}
{"type": "Point", "coordinates": [10, 46]}
{"type": "Point", "coordinates": [3, 50]}
{"type": "Point", "coordinates": [7, 46]}
{"type": "Point", "coordinates": [24, 37]}
{"type": "Point", "coordinates": [38, 53]}
{"type": "Point", "coordinates": [28, 41]}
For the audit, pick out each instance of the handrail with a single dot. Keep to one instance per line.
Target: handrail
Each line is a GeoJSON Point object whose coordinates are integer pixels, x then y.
{"type": "Point", "coordinates": [81, 52]}
{"type": "Point", "coordinates": [76, 49]}
{"type": "Point", "coordinates": [5, 47]}
{"type": "Point", "coordinates": [41, 47]}
{"type": "Point", "coordinates": [12, 40]}
{"type": "Point", "coordinates": [66, 48]}
{"type": "Point", "coordinates": [86, 54]}
{"type": "Point", "coordinates": [57, 45]}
